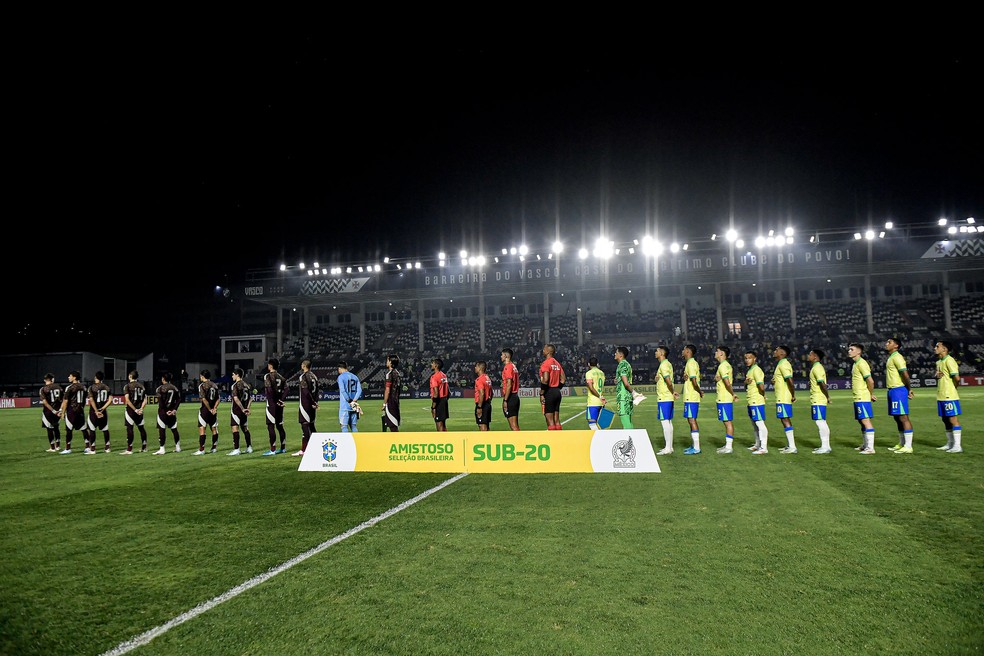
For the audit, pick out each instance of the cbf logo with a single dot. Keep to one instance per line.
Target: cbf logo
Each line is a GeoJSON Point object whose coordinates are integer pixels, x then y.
{"type": "Point", "coordinates": [623, 454]}
{"type": "Point", "coordinates": [329, 450]}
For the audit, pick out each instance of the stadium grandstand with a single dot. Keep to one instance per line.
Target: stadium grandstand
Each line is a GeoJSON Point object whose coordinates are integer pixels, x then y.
{"type": "Point", "coordinates": [920, 283]}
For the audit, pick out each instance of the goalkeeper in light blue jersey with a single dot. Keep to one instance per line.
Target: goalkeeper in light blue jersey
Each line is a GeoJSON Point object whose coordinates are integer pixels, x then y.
{"type": "Point", "coordinates": [349, 391]}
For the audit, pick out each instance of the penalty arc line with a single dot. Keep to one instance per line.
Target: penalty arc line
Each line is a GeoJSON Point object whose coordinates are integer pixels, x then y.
{"type": "Point", "coordinates": [148, 636]}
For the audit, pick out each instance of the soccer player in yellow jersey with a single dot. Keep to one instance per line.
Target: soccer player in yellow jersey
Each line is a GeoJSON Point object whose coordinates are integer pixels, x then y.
{"type": "Point", "coordinates": [899, 392]}
{"type": "Point", "coordinates": [819, 399]}
{"type": "Point", "coordinates": [782, 381]}
{"type": "Point", "coordinates": [755, 391]}
{"type": "Point", "coordinates": [664, 398]}
{"type": "Point", "coordinates": [595, 380]}
{"type": "Point", "coordinates": [692, 395]}
{"type": "Point", "coordinates": [862, 387]}
{"type": "Point", "coordinates": [726, 397]}
{"type": "Point", "coordinates": [947, 399]}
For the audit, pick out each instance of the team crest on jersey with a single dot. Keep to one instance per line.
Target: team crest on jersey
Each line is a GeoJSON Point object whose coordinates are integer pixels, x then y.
{"type": "Point", "coordinates": [329, 450]}
{"type": "Point", "coordinates": [623, 454]}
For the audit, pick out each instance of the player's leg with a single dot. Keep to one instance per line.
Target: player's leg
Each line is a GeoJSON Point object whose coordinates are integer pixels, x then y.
{"type": "Point", "coordinates": [690, 412]}
{"type": "Point", "coordinates": [955, 428]}
{"type": "Point", "coordinates": [625, 408]}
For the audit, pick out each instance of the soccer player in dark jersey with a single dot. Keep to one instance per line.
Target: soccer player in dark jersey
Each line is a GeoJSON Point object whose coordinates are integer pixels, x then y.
{"type": "Point", "coordinates": [275, 387]}
{"type": "Point", "coordinates": [73, 409]}
{"type": "Point", "coordinates": [241, 399]}
{"type": "Point", "coordinates": [51, 398]}
{"type": "Point", "coordinates": [552, 378]}
{"type": "Point", "coordinates": [135, 399]}
{"type": "Point", "coordinates": [307, 411]}
{"type": "Point", "coordinates": [168, 400]}
{"type": "Point", "coordinates": [483, 396]}
{"type": "Point", "coordinates": [439, 395]}
{"type": "Point", "coordinates": [391, 395]}
{"type": "Point", "coordinates": [208, 413]}
{"type": "Point", "coordinates": [99, 401]}
{"type": "Point", "coordinates": [510, 389]}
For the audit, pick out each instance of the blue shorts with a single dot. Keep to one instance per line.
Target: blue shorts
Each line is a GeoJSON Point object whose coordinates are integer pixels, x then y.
{"type": "Point", "coordinates": [690, 410]}
{"type": "Point", "coordinates": [726, 411]}
{"type": "Point", "coordinates": [348, 418]}
{"type": "Point", "coordinates": [948, 408]}
{"type": "Point", "coordinates": [756, 412]}
{"type": "Point", "coordinates": [898, 401]}
{"type": "Point", "coordinates": [818, 412]}
{"type": "Point", "coordinates": [593, 412]}
{"type": "Point", "coordinates": [784, 411]}
{"type": "Point", "coordinates": [862, 410]}
{"type": "Point", "coordinates": [665, 410]}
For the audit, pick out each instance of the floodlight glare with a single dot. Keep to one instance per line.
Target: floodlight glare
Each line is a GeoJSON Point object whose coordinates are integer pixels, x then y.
{"type": "Point", "coordinates": [348, 270]}
{"type": "Point", "coordinates": [714, 236]}
{"type": "Point", "coordinates": [631, 251]}
{"type": "Point", "coordinates": [558, 247]}
{"type": "Point", "coordinates": [740, 243]}
{"type": "Point", "coordinates": [731, 235]}
{"type": "Point", "coordinates": [464, 261]}
{"type": "Point", "coordinates": [686, 246]}
{"type": "Point", "coordinates": [400, 267]}
{"type": "Point", "coordinates": [523, 250]}
{"type": "Point", "coordinates": [512, 251]}
{"type": "Point", "coordinates": [283, 267]}
{"type": "Point", "coordinates": [522, 258]}
{"type": "Point", "coordinates": [789, 240]}
{"type": "Point", "coordinates": [316, 265]}
{"type": "Point", "coordinates": [582, 253]}
{"type": "Point", "coordinates": [889, 225]}
{"type": "Point", "coordinates": [813, 238]}
{"type": "Point", "coordinates": [772, 233]}
{"type": "Point", "coordinates": [360, 269]}
{"type": "Point", "coordinates": [635, 242]}
{"type": "Point", "coordinates": [971, 220]}
{"type": "Point", "coordinates": [310, 272]}
{"type": "Point", "coordinates": [386, 260]}
{"type": "Point", "coordinates": [963, 228]}
{"type": "Point", "coordinates": [857, 235]}
{"type": "Point", "coordinates": [952, 230]}
{"type": "Point", "coordinates": [471, 261]}
{"type": "Point", "coordinates": [759, 241]}
{"type": "Point", "coordinates": [648, 246]}
{"type": "Point", "coordinates": [442, 256]}
{"type": "Point", "coordinates": [770, 240]}
{"type": "Point", "coordinates": [440, 263]}
{"type": "Point", "coordinates": [942, 222]}
{"type": "Point", "coordinates": [789, 232]}
{"type": "Point", "coordinates": [618, 251]}
{"type": "Point", "coordinates": [300, 266]}
{"type": "Point", "coordinates": [881, 235]}
{"type": "Point", "coordinates": [480, 260]}
{"type": "Point", "coordinates": [416, 265]}
{"type": "Point", "coordinates": [505, 251]}
{"type": "Point", "coordinates": [463, 253]}
{"type": "Point", "coordinates": [674, 247]}
{"type": "Point", "coordinates": [869, 234]}
{"type": "Point", "coordinates": [377, 268]}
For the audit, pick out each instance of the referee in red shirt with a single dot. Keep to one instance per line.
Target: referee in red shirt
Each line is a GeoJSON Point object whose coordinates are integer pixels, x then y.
{"type": "Point", "coordinates": [552, 378]}
{"type": "Point", "coordinates": [439, 394]}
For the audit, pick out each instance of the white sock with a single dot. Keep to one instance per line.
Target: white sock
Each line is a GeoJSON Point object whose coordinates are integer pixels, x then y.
{"type": "Point", "coordinates": [668, 433]}
{"type": "Point", "coordinates": [949, 439]}
{"type": "Point", "coordinates": [763, 434]}
{"type": "Point", "coordinates": [728, 441]}
{"type": "Point", "coordinates": [956, 438]}
{"type": "Point", "coordinates": [592, 425]}
{"type": "Point", "coordinates": [789, 437]}
{"type": "Point", "coordinates": [695, 436]}
{"type": "Point", "coordinates": [907, 437]}
{"type": "Point", "coordinates": [869, 439]}
{"type": "Point", "coordinates": [824, 433]}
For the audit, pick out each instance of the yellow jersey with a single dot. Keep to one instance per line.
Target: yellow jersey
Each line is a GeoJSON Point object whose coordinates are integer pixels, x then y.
{"type": "Point", "coordinates": [817, 375]}
{"type": "Point", "coordinates": [725, 373]}
{"type": "Point", "coordinates": [893, 370]}
{"type": "Point", "coordinates": [663, 374]}
{"type": "Point", "coordinates": [753, 377]}
{"type": "Point", "coordinates": [945, 389]}
{"type": "Point", "coordinates": [596, 376]}
{"type": "Point", "coordinates": [691, 374]}
{"type": "Point", "coordinates": [784, 372]}
{"type": "Point", "coordinates": [860, 373]}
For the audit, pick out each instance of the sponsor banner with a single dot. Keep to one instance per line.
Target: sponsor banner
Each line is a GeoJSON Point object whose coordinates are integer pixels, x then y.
{"type": "Point", "coordinates": [956, 248]}
{"type": "Point", "coordinates": [492, 452]}
{"type": "Point", "coordinates": [18, 402]}
{"type": "Point", "coordinates": [972, 380]}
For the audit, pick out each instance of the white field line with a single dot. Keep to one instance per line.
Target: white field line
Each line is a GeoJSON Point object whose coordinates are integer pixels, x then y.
{"type": "Point", "coordinates": [145, 638]}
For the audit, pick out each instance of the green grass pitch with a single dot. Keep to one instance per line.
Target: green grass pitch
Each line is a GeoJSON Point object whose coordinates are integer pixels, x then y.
{"type": "Point", "coordinates": [737, 554]}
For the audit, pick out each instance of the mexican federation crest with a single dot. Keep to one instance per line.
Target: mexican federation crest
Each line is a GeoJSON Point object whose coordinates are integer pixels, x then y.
{"type": "Point", "coordinates": [329, 450]}
{"type": "Point", "coordinates": [623, 454]}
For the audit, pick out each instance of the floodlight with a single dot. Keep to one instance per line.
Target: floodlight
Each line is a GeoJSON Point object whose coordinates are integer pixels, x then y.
{"type": "Point", "coordinates": [971, 220]}
{"type": "Point", "coordinates": [942, 222]}
{"type": "Point", "coordinates": [731, 235]}
{"type": "Point", "coordinates": [512, 251]}
{"type": "Point", "coordinates": [952, 230]}
{"type": "Point", "coordinates": [316, 265]}
{"type": "Point", "coordinates": [300, 266]}
{"type": "Point", "coordinates": [283, 267]}
{"type": "Point", "coordinates": [789, 240]}
{"type": "Point", "coordinates": [558, 247]}
{"type": "Point", "coordinates": [523, 250]}
{"type": "Point", "coordinates": [463, 253]}
{"type": "Point", "coordinates": [789, 232]}
{"type": "Point", "coordinates": [674, 247]}
{"type": "Point", "coordinates": [889, 225]}
{"type": "Point", "coordinates": [869, 234]}
{"type": "Point", "coordinates": [759, 241]}
{"type": "Point", "coordinates": [442, 256]}
{"type": "Point", "coordinates": [857, 235]}
{"type": "Point", "coordinates": [740, 243]}
{"type": "Point", "coordinates": [582, 253]}
{"type": "Point", "coordinates": [386, 260]}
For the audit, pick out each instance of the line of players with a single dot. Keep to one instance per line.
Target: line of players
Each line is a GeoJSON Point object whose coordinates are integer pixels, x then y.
{"type": "Point", "coordinates": [71, 402]}
{"type": "Point", "coordinates": [898, 386]}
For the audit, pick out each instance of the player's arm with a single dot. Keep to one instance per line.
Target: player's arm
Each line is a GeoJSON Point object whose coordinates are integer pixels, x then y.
{"type": "Point", "coordinates": [386, 392]}
{"type": "Point", "coordinates": [727, 386]}
{"type": "Point", "coordinates": [761, 387]}
{"type": "Point", "coordinates": [627, 384]}
{"type": "Point", "coordinates": [822, 384]}
{"type": "Point", "coordinates": [904, 375]}
{"type": "Point", "coordinates": [792, 389]}
{"type": "Point", "coordinates": [696, 386]}
{"type": "Point", "coordinates": [109, 402]}
{"type": "Point", "coordinates": [563, 377]}
{"type": "Point", "coordinates": [870, 382]}
{"type": "Point", "coordinates": [434, 392]}
{"type": "Point", "coordinates": [44, 402]}
{"type": "Point", "coordinates": [506, 390]}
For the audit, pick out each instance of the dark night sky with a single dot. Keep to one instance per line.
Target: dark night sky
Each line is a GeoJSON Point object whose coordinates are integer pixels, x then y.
{"type": "Point", "coordinates": [206, 155]}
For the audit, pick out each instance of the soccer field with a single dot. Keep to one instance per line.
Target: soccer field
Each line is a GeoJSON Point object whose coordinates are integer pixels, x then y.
{"type": "Point", "coordinates": [797, 554]}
